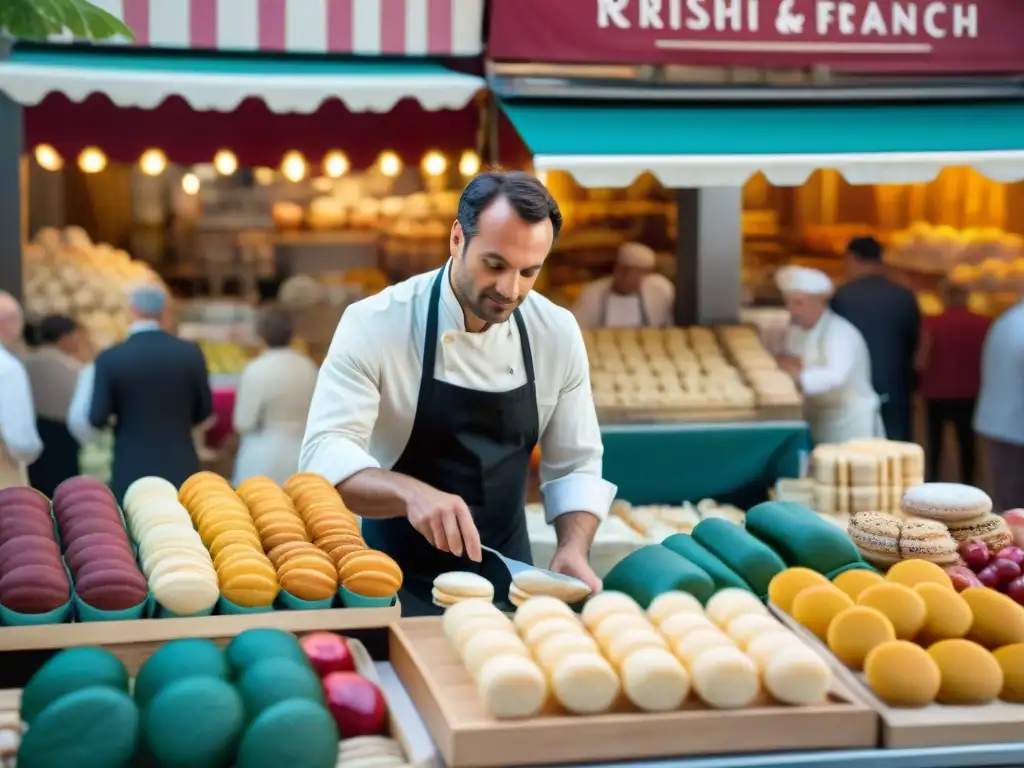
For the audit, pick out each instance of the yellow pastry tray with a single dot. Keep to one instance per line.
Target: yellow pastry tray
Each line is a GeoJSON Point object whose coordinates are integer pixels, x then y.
{"type": "Point", "coordinates": [937, 725]}
{"type": "Point", "coordinates": [466, 735]}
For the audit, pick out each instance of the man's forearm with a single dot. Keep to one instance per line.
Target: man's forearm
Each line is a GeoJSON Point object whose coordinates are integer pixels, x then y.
{"type": "Point", "coordinates": [576, 530]}
{"type": "Point", "coordinates": [379, 493]}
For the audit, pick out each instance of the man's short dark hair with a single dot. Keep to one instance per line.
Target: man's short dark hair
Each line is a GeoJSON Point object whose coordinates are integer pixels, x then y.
{"type": "Point", "coordinates": [865, 249]}
{"type": "Point", "coordinates": [527, 195]}
{"type": "Point", "coordinates": [53, 328]}
{"type": "Point", "coordinates": [275, 327]}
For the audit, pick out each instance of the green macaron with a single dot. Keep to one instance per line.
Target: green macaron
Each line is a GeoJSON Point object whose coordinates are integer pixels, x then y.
{"type": "Point", "coordinates": [296, 732]}
{"type": "Point", "coordinates": [178, 660]}
{"type": "Point", "coordinates": [68, 671]}
{"type": "Point", "coordinates": [195, 722]}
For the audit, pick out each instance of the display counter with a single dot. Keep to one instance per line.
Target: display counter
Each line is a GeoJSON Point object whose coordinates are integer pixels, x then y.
{"type": "Point", "coordinates": [733, 462]}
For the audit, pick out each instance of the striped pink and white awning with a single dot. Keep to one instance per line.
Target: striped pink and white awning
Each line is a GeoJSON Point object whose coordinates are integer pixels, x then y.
{"type": "Point", "coordinates": [365, 27]}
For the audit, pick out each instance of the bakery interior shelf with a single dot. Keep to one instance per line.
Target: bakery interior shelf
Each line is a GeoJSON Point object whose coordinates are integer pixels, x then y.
{"type": "Point", "coordinates": [612, 416]}
{"type": "Point", "coordinates": [446, 698]}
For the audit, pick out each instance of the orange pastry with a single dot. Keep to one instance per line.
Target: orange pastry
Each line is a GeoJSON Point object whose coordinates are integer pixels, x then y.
{"type": "Point", "coordinates": [309, 585]}
{"type": "Point", "coordinates": [369, 571]}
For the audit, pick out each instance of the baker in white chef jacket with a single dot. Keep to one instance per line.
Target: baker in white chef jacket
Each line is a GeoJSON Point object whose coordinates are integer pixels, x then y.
{"type": "Point", "coordinates": [828, 357]}
{"type": "Point", "coordinates": [435, 391]}
{"type": "Point", "coordinates": [633, 296]}
{"type": "Point", "coordinates": [20, 444]}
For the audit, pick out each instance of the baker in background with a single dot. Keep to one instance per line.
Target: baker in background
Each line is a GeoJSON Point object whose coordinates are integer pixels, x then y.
{"type": "Point", "coordinates": [19, 440]}
{"type": "Point", "coordinates": [157, 389]}
{"type": "Point", "coordinates": [829, 360]}
{"type": "Point", "coordinates": [633, 296]}
{"type": "Point", "coordinates": [888, 317]}
{"type": "Point", "coordinates": [435, 391]}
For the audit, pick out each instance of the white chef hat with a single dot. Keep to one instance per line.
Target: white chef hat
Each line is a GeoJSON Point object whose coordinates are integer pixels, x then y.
{"type": "Point", "coordinates": [636, 255]}
{"type": "Point", "coordinates": [812, 282]}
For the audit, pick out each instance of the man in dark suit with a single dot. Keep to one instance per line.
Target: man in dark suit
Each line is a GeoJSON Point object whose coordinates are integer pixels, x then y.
{"type": "Point", "coordinates": [888, 317]}
{"type": "Point", "coordinates": [156, 388]}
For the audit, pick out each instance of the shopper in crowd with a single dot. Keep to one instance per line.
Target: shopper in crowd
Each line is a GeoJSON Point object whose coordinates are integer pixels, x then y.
{"type": "Point", "coordinates": [436, 390]}
{"type": "Point", "coordinates": [829, 360]}
{"type": "Point", "coordinates": [634, 295]}
{"type": "Point", "coordinates": [156, 388]}
{"type": "Point", "coordinates": [20, 444]}
{"type": "Point", "coordinates": [887, 316]}
{"type": "Point", "coordinates": [949, 377]}
{"type": "Point", "coordinates": [53, 369]}
{"type": "Point", "coordinates": [272, 403]}
{"type": "Point", "coordinates": [1000, 414]}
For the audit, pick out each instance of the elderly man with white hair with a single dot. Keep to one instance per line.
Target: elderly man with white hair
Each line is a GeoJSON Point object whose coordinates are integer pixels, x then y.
{"type": "Point", "coordinates": [829, 359]}
{"type": "Point", "coordinates": [634, 295]}
{"type": "Point", "coordinates": [156, 389]}
{"type": "Point", "coordinates": [19, 439]}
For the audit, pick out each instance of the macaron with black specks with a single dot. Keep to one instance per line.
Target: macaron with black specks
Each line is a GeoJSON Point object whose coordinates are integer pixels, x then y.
{"type": "Point", "coordinates": [928, 540]}
{"type": "Point", "coordinates": [876, 536]}
{"type": "Point", "coordinates": [990, 528]}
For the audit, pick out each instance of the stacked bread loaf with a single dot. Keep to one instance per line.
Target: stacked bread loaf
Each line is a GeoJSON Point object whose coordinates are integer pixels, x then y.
{"type": "Point", "coordinates": [663, 368]}
{"type": "Point", "coordinates": [772, 385]}
{"type": "Point", "coordinates": [864, 476]}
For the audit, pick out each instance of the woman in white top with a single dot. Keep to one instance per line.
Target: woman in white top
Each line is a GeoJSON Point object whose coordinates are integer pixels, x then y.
{"type": "Point", "coordinates": [272, 404]}
{"type": "Point", "coordinates": [633, 296]}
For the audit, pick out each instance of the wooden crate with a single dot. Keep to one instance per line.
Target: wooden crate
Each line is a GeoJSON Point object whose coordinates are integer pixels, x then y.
{"type": "Point", "coordinates": [465, 735]}
{"type": "Point", "coordinates": [134, 641]}
{"type": "Point", "coordinates": [938, 725]}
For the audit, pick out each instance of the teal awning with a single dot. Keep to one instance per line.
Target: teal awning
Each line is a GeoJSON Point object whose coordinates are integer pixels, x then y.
{"type": "Point", "coordinates": [711, 145]}
{"type": "Point", "coordinates": [221, 82]}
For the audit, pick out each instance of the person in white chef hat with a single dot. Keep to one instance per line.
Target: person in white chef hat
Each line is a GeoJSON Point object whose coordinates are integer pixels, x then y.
{"type": "Point", "coordinates": [828, 357]}
{"type": "Point", "coordinates": [633, 296]}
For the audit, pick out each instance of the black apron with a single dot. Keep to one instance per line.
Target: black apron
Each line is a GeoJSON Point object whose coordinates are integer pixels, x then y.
{"type": "Point", "coordinates": [475, 445]}
{"type": "Point", "coordinates": [645, 319]}
{"type": "Point", "coordinates": [59, 459]}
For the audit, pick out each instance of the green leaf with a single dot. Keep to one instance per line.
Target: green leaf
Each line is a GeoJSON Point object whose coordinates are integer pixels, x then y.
{"type": "Point", "coordinates": [39, 19]}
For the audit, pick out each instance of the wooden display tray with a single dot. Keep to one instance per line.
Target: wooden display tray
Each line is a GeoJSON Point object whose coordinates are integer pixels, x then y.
{"type": "Point", "coordinates": [937, 725]}
{"type": "Point", "coordinates": [465, 735]}
{"type": "Point", "coordinates": [654, 415]}
{"type": "Point", "coordinates": [10, 720]}
{"type": "Point", "coordinates": [134, 641]}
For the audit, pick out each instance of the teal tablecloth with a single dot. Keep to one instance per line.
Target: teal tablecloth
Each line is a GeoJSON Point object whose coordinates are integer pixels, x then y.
{"type": "Point", "coordinates": [732, 463]}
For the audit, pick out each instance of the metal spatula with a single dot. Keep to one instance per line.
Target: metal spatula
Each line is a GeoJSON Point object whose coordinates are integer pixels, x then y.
{"type": "Point", "coordinates": [515, 567]}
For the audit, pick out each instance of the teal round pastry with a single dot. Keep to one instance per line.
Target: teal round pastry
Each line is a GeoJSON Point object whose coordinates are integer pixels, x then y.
{"type": "Point", "coordinates": [296, 732]}
{"type": "Point", "coordinates": [255, 645]}
{"type": "Point", "coordinates": [277, 679]}
{"type": "Point", "coordinates": [178, 660]}
{"type": "Point", "coordinates": [193, 723]}
{"type": "Point", "coordinates": [69, 671]}
{"type": "Point", "coordinates": [96, 727]}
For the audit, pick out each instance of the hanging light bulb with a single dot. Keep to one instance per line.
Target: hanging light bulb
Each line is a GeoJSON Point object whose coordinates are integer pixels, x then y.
{"type": "Point", "coordinates": [92, 160]}
{"type": "Point", "coordinates": [293, 166]}
{"type": "Point", "coordinates": [335, 165]}
{"type": "Point", "coordinates": [153, 162]}
{"type": "Point", "coordinates": [264, 176]}
{"type": "Point", "coordinates": [48, 158]}
{"type": "Point", "coordinates": [469, 163]}
{"type": "Point", "coordinates": [434, 164]}
{"type": "Point", "coordinates": [225, 162]}
{"type": "Point", "coordinates": [190, 184]}
{"type": "Point", "coordinates": [390, 164]}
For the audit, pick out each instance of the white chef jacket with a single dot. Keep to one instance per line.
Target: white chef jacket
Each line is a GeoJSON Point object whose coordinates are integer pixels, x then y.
{"type": "Point", "coordinates": [365, 399]}
{"type": "Point", "coordinates": [20, 444]}
{"type": "Point", "coordinates": [839, 401]}
{"type": "Point", "coordinates": [271, 406]}
{"type": "Point", "coordinates": [658, 294]}
{"type": "Point", "coordinates": [1000, 412]}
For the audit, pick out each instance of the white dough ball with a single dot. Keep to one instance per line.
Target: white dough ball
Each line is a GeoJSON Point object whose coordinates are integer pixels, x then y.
{"type": "Point", "coordinates": [471, 626]}
{"type": "Point", "coordinates": [605, 604]}
{"type": "Point", "coordinates": [550, 652]}
{"type": "Point", "coordinates": [654, 680]}
{"type": "Point", "coordinates": [618, 623]}
{"type": "Point", "coordinates": [695, 644]}
{"type": "Point", "coordinates": [512, 686]}
{"type": "Point", "coordinates": [540, 631]}
{"type": "Point", "coordinates": [585, 684]}
{"type": "Point", "coordinates": [763, 647]}
{"type": "Point", "coordinates": [488, 643]}
{"type": "Point", "coordinates": [674, 602]}
{"type": "Point", "coordinates": [725, 678]}
{"type": "Point", "coordinates": [797, 676]}
{"type": "Point", "coordinates": [727, 604]}
{"type": "Point", "coordinates": [746, 627]}
{"type": "Point", "coordinates": [681, 624]}
{"type": "Point", "coordinates": [622, 645]}
{"type": "Point", "coordinates": [540, 607]}
{"type": "Point", "coordinates": [461, 612]}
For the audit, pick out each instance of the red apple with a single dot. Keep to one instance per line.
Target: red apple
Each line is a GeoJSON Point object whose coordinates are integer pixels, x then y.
{"type": "Point", "coordinates": [962, 577]}
{"type": "Point", "coordinates": [356, 704]}
{"type": "Point", "coordinates": [975, 554]}
{"type": "Point", "coordinates": [328, 652]}
{"type": "Point", "coordinates": [1011, 553]}
{"type": "Point", "coordinates": [1015, 519]}
{"type": "Point", "coordinates": [1015, 590]}
{"type": "Point", "coordinates": [989, 577]}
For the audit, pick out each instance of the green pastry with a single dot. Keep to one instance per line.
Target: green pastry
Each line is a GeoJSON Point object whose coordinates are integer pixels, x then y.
{"type": "Point", "coordinates": [195, 722]}
{"type": "Point", "coordinates": [96, 727]}
{"type": "Point", "coordinates": [178, 660]}
{"type": "Point", "coordinates": [685, 545]}
{"type": "Point", "coordinates": [69, 671]}
{"type": "Point", "coordinates": [753, 560]}
{"type": "Point", "coordinates": [296, 733]}
{"type": "Point", "coordinates": [277, 679]}
{"type": "Point", "coordinates": [653, 570]}
{"type": "Point", "coordinates": [255, 645]}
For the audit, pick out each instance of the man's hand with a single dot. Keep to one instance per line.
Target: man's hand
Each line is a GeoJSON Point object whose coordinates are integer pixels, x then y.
{"type": "Point", "coordinates": [790, 365]}
{"type": "Point", "coordinates": [446, 522]}
{"type": "Point", "coordinates": [572, 562]}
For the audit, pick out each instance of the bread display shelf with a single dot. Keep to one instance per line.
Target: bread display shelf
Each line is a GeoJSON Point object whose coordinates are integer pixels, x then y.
{"type": "Point", "coordinates": [134, 641]}
{"type": "Point", "coordinates": [655, 415]}
{"type": "Point", "coordinates": [937, 725]}
{"type": "Point", "coordinates": [446, 698]}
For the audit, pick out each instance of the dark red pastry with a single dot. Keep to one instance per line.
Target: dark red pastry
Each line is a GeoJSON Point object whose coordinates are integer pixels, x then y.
{"type": "Point", "coordinates": [19, 543]}
{"type": "Point", "coordinates": [111, 586]}
{"type": "Point", "coordinates": [34, 589]}
{"type": "Point", "coordinates": [81, 546]}
{"type": "Point", "coordinates": [20, 494]}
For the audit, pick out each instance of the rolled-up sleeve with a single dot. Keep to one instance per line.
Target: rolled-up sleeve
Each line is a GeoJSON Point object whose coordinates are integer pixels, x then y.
{"type": "Point", "coordinates": [840, 357]}
{"type": "Point", "coordinates": [345, 402]}
{"type": "Point", "coordinates": [571, 448]}
{"type": "Point", "coordinates": [18, 415]}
